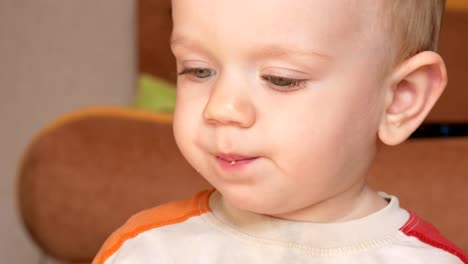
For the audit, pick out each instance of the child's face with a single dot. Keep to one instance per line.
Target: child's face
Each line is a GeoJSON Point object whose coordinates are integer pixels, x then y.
{"type": "Point", "coordinates": [294, 84]}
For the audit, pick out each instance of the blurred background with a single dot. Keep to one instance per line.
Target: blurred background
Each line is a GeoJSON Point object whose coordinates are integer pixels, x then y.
{"type": "Point", "coordinates": [58, 56]}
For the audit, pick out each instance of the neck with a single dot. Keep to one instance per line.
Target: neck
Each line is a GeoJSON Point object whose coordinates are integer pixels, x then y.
{"type": "Point", "coordinates": [356, 202]}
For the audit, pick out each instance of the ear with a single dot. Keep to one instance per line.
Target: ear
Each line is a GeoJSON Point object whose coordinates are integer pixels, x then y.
{"type": "Point", "coordinates": [415, 85]}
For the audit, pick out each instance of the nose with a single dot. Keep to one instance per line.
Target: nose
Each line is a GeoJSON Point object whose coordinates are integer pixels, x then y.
{"type": "Point", "coordinates": [229, 106]}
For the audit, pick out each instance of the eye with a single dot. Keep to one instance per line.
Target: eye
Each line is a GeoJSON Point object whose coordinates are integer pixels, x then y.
{"type": "Point", "coordinates": [200, 73]}
{"type": "Point", "coordinates": [284, 83]}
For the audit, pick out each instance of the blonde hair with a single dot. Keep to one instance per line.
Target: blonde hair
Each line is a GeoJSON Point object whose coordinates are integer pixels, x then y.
{"type": "Point", "coordinates": [414, 25]}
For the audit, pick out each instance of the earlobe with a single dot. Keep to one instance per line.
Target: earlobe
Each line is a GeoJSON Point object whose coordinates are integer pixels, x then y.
{"type": "Point", "coordinates": [414, 88]}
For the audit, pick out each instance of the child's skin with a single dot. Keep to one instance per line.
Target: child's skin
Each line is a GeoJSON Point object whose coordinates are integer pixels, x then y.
{"type": "Point", "coordinates": [313, 142]}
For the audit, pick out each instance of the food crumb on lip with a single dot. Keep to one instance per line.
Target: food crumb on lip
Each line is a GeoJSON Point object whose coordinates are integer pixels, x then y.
{"type": "Point", "coordinates": [234, 164]}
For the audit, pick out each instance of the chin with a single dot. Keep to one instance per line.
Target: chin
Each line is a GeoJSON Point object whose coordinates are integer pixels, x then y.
{"type": "Point", "coordinates": [250, 202]}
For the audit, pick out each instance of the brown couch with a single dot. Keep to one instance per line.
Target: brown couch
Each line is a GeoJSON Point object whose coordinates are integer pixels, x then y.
{"type": "Point", "coordinates": [87, 172]}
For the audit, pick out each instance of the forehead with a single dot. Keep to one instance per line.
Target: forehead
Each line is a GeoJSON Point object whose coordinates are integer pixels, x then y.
{"type": "Point", "coordinates": [327, 25]}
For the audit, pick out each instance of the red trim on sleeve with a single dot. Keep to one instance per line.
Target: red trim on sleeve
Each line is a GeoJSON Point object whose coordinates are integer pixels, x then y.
{"type": "Point", "coordinates": [428, 234]}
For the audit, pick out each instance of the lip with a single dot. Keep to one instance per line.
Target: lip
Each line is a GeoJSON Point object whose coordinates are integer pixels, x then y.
{"type": "Point", "coordinates": [231, 161]}
{"type": "Point", "coordinates": [232, 157]}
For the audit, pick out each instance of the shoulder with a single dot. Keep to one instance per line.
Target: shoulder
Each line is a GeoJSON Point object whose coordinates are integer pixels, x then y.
{"type": "Point", "coordinates": [418, 228]}
{"type": "Point", "coordinates": [164, 215]}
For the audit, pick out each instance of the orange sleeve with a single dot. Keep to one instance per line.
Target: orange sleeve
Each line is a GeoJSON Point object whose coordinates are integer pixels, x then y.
{"type": "Point", "coordinates": [168, 214]}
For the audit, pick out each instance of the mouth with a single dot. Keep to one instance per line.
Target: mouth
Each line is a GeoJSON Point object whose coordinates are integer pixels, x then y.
{"type": "Point", "coordinates": [233, 161]}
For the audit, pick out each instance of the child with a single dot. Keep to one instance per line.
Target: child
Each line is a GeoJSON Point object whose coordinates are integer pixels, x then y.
{"type": "Point", "coordinates": [280, 106]}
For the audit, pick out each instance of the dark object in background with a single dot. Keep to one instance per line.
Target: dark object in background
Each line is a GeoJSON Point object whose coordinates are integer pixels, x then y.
{"type": "Point", "coordinates": [441, 130]}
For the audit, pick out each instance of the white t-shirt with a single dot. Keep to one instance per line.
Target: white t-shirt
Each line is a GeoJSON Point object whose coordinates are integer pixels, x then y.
{"type": "Point", "coordinates": [202, 230]}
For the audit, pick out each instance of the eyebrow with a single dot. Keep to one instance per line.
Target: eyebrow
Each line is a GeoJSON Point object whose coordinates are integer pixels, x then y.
{"type": "Point", "coordinates": [175, 40]}
{"type": "Point", "coordinates": [269, 51]}
{"type": "Point", "coordinates": [182, 41]}
{"type": "Point", "coordinates": [283, 51]}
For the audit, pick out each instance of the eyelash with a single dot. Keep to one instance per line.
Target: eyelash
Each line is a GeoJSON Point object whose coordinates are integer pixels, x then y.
{"type": "Point", "coordinates": [292, 83]}
{"type": "Point", "coordinates": [192, 71]}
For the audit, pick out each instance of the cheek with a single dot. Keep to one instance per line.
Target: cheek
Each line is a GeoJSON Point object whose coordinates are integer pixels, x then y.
{"type": "Point", "coordinates": [301, 139]}
{"type": "Point", "coordinates": [322, 133]}
{"type": "Point", "coordinates": [182, 123]}
{"type": "Point", "coordinates": [178, 126]}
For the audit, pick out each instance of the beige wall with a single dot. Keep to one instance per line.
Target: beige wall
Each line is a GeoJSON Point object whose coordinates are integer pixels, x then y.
{"type": "Point", "coordinates": [55, 56]}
